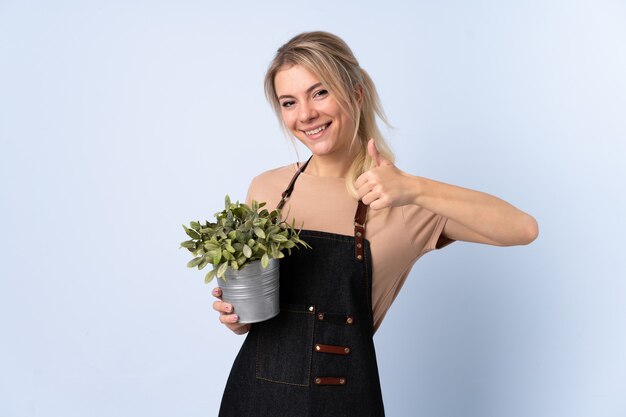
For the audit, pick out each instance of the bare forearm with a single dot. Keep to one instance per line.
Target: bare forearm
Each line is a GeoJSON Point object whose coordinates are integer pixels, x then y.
{"type": "Point", "coordinates": [493, 219]}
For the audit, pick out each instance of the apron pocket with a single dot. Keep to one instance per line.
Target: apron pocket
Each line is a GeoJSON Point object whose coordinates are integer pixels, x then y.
{"type": "Point", "coordinates": [284, 346]}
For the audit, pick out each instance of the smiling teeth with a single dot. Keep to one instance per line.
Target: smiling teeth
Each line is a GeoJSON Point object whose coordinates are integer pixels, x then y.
{"type": "Point", "coordinates": [315, 131]}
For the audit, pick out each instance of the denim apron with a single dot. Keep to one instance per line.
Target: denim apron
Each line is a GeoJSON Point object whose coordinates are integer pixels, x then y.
{"type": "Point", "coordinates": [316, 358]}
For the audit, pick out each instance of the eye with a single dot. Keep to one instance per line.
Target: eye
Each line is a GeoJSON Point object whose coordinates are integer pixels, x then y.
{"type": "Point", "coordinates": [287, 103]}
{"type": "Point", "coordinates": [320, 93]}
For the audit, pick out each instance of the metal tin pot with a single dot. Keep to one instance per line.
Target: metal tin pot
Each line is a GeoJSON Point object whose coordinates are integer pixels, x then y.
{"type": "Point", "coordinates": [253, 291]}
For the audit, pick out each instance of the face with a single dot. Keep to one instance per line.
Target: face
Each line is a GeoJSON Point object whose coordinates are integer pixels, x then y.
{"type": "Point", "coordinates": [311, 112]}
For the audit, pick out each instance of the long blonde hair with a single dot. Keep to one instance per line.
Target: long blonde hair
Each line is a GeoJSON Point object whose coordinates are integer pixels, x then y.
{"type": "Point", "coordinates": [330, 59]}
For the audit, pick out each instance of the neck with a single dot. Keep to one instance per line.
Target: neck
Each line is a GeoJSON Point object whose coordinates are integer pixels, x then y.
{"type": "Point", "coordinates": [325, 166]}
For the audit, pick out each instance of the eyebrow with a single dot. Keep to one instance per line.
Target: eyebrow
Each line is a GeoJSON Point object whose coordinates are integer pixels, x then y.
{"type": "Point", "coordinates": [308, 90]}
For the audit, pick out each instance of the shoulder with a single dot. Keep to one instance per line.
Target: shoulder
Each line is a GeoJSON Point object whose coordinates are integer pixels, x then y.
{"type": "Point", "coordinates": [274, 174]}
{"type": "Point", "coordinates": [273, 178]}
{"type": "Point", "coordinates": [268, 185]}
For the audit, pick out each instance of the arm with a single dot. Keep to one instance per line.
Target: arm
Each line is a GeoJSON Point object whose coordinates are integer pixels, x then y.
{"type": "Point", "coordinates": [473, 216]}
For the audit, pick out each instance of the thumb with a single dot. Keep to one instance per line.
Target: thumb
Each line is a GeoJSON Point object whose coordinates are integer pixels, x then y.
{"type": "Point", "coordinates": [375, 155]}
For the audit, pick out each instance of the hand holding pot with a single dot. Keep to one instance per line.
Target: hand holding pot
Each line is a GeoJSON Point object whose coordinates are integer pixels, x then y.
{"type": "Point", "coordinates": [227, 314]}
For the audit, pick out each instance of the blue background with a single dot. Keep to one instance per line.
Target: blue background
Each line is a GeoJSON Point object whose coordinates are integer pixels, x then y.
{"type": "Point", "coordinates": [121, 120]}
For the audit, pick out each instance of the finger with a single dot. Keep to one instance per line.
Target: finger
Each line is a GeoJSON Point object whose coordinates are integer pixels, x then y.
{"type": "Point", "coordinates": [369, 198]}
{"type": "Point", "coordinates": [363, 190]}
{"type": "Point", "coordinates": [375, 155]}
{"type": "Point", "coordinates": [373, 152]}
{"type": "Point", "coordinates": [228, 318]}
{"type": "Point", "coordinates": [239, 328]}
{"type": "Point", "coordinates": [361, 180]}
{"type": "Point", "coordinates": [379, 203]}
{"type": "Point", "coordinates": [222, 307]}
{"type": "Point", "coordinates": [217, 292]}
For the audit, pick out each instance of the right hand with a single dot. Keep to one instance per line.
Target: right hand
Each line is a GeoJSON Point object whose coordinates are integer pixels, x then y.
{"type": "Point", "coordinates": [227, 314]}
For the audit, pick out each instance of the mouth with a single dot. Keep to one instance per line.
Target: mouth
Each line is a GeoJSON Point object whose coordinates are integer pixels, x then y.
{"type": "Point", "coordinates": [317, 130]}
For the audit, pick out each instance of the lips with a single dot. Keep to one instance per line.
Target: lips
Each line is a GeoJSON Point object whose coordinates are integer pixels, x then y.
{"type": "Point", "coordinates": [317, 130]}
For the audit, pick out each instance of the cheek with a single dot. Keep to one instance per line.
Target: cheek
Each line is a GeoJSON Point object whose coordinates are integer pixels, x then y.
{"type": "Point", "coordinates": [287, 119]}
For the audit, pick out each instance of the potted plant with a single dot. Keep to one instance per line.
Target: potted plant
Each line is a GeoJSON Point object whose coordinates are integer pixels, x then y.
{"type": "Point", "coordinates": [244, 246]}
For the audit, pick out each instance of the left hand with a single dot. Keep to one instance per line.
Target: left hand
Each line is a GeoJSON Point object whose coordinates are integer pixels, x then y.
{"type": "Point", "coordinates": [385, 185]}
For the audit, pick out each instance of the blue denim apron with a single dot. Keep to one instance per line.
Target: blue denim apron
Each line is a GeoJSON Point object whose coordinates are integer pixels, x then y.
{"type": "Point", "coordinates": [316, 358]}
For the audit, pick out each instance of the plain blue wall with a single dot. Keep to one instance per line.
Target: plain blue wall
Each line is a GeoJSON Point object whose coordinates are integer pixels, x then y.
{"type": "Point", "coordinates": [120, 120]}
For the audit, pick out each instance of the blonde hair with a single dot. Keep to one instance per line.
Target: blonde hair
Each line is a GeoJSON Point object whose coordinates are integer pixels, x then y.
{"type": "Point", "coordinates": [330, 59]}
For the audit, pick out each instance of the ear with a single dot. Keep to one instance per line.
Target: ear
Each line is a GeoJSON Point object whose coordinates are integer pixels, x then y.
{"type": "Point", "coordinates": [360, 93]}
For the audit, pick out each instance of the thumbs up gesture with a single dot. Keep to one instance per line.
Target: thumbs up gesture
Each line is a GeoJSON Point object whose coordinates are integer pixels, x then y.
{"type": "Point", "coordinates": [385, 185]}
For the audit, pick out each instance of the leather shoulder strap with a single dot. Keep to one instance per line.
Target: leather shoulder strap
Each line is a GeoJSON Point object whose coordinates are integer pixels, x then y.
{"type": "Point", "coordinates": [287, 193]}
{"type": "Point", "coordinates": [359, 230]}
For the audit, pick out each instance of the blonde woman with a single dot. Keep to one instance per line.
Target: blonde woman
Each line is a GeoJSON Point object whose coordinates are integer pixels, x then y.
{"type": "Point", "coordinates": [368, 223]}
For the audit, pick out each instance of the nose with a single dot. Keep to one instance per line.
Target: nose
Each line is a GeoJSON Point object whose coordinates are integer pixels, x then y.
{"type": "Point", "coordinates": [307, 112]}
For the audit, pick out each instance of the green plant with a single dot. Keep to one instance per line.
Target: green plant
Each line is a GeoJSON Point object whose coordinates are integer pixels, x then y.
{"type": "Point", "coordinates": [240, 235]}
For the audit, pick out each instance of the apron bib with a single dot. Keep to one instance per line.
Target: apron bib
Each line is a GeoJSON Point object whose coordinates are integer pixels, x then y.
{"type": "Point", "coordinates": [317, 357]}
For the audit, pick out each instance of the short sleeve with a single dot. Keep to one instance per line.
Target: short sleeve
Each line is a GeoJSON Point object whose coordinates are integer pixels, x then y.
{"type": "Point", "coordinates": [425, 229]}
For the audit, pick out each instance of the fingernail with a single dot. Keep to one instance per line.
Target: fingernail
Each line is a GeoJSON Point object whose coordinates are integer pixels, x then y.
{"type": "Point", "coordinates": [228, 308]}
{"type": "Point", "coordinates": [216, 291]}
{"type": "Point", "coordinates": [235, 318]}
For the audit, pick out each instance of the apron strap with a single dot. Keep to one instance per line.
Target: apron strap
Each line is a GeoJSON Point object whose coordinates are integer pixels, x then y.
{"type": "Point", "coordinates": [359, 216]}
{"type": "Point", "coordinates": [359, 229]}
{"type": "Point", "coordinates": [287, 193]}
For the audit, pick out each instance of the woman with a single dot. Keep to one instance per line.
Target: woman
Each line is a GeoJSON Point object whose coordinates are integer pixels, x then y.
{"type": "Point", "coordinates": [367, 221]}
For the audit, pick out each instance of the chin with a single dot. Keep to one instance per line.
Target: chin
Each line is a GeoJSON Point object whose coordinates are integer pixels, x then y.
{"type": "Point", "coordinates": [320, 149]}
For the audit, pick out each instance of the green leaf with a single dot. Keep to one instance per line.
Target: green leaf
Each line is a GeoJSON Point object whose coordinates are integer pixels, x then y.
{"type": "Point", "coordinates": [217, 257]}
{"type": "Point", "coordinates": [205, 262]}
{"type": "Point", "coordinates": [189, 244]}
{"type": "Point", "coordinates": [274, 250]}
{"type": "Point", "coordinates": [210, 275]}
{"type": "Point", "coordinates": [247, 252]}
{"type": "Point", "coordinates": [259, 232]}
{"type": "Point", "coordinates": [210, 246]}
{"type": "Point", "coordinates": [195, 226]}
{"type": "Point", "coordinates": [221, 270]}
{"type": "Point", "coordinates": [279, 238]}
{"type": "Point", "coordinates": [194, 262]}
{"type": "Point", "coordinates": [265, 260]}
{"type": "Point", "coordinates": [193, 234]}
{"type": "Point", "coordinates": [272, 230]}
{"type": "Point", "coordinates": [234, 265]}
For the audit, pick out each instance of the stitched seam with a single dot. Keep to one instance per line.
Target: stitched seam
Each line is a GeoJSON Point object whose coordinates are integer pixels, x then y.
{"type": "Point", "coordinates": [281, 382]}
{"type": "Point", "coordinates": [311, 352]}
{"type": "Point", "coordinates": [369, 290]}
{"type": "Point", "coordinates": [258, 352]}
{"type": "Point", "coordinates": [324, 235]}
